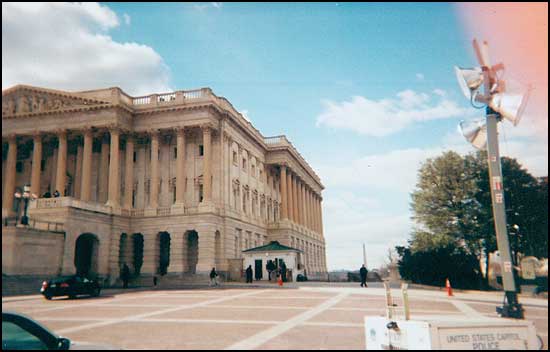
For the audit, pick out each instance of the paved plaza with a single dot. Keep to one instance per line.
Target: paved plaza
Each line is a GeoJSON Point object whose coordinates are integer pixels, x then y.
{"type": "Point", "coordinates": [238, 318]}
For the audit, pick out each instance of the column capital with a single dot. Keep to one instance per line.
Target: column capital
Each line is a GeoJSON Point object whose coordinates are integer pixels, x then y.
{"type": "Point", "coordinates": [12, 138]}
{"type": "Point", "coordinates": [206, 128]}
{"type": "Point", "coordinates": [153, 132]}
{"type": "Point", "coordinates": [180, 131]}
{"type": "Point", "coordinates": [60, 132]}
{"type": "Point", "coordinates": [116, 128]}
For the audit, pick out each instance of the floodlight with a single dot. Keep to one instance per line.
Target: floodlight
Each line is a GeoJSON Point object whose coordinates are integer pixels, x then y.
{"type": "Point", "coordinates": [469, 79]}
{"type": "Point", "coordinates": [510, 106]}
{"type": "Point", "coordinates": [475, 132]}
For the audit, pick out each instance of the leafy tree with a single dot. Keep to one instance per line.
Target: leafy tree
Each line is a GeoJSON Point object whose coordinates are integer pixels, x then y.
{"type": "Point", "coordinates": [452, 207]}
{"type": "Point", "coordinates": [434, 265]}
{"type": "Point", "coordinates": [444, 201]}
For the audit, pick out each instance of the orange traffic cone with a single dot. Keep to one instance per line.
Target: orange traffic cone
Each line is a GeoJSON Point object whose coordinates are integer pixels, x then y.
{"type": "Point", "coordinates": [449, 288]}
{"type": "Point", "coordinates": [280, 280]}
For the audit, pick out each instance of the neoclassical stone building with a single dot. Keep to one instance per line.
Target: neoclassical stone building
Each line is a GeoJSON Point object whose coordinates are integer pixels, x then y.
{"type": "Point", "coordinates": [168, 183]}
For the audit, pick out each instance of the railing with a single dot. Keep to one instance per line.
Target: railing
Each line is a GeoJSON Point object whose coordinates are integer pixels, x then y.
{"type": "Point", "coordinates": [50, 203]}
{"type": "Point", "coordinates": [35, 224]}
{"type": "Point", "coordinates": [193, 94]}
{"type": "Point", "coordinates": [137, 212]}
{"type": "Point", "coordinates": [141, 100]}
{"type": "Point", "coordinates": [164, 211]}
{"type": "Point", "coordinates": [276, 140]}
{"type": "Point", "coordinates": [163, 98]}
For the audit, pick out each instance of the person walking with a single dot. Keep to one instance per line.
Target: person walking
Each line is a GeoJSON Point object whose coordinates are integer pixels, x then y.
{"type": "Point", "coordinates": [125, 275]}
{"type": "Point", "coordinates": [249, 274]}
{"type": "Point", "coordinates": [213, 277]}
{"type": "Point", "coordinates": [363, 272]}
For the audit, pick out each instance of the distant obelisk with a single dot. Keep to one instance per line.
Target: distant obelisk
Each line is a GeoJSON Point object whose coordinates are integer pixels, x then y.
{"type": "Point", "coordinates": [364, 255]}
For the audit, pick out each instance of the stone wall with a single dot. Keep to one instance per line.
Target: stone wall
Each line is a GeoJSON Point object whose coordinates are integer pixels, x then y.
{"type": "Point", "coordinates": [31, 252]}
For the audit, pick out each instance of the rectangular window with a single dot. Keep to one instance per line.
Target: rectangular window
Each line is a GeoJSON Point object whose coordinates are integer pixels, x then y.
{"type": "Point", "coordinates": [42, 165]}
{"type": "Point", "coordinates": [235, 159]}
{"type": "Point", "coordinates": [19, 166]}
{"type": "Point", "coordinates": [135, 157]}
{"type": "Point", "coordinates": [201, 150]}
{"type": "Point", "coordinates": [200, 193]}
{"type": "Point", "coordinates": [175, 153]}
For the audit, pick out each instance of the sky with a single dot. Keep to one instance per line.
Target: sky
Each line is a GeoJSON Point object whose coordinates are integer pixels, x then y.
{"type": "Point", "coordinates": [366, 92]}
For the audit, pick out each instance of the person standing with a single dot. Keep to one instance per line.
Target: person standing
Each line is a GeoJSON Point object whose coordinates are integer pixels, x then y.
{"type": "Point", "coordinates": [125, 275]}
{"type": "Point", "coordinates": [249, 274]}
{"type": "Point", "coordinates": [283, 271]}
{"type": "Point", "coordinates": [213, 277]}
{"type": "Point", "coordinates": [363, 272]}
{"type": "Point", "coordinates": [270, 266]}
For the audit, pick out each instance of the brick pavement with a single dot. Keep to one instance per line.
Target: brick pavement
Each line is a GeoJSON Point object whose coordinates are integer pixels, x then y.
{"type": "Point", "coordinates": [239, 318]}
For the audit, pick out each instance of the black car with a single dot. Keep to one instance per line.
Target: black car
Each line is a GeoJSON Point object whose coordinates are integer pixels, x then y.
{"type": "Point", "coordinates": [70, 286]}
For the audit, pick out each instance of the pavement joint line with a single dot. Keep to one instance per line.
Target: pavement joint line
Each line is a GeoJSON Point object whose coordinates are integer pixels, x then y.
{"type": "Point", "coordinates": [336, 325]}
{"type": "Point", "coordinates": [266, 335]}
{"type": "Point", "coordinates": [495, 303]}
{"type": "Point", "coordinates": [164, 311]}
{"type": "Point", "coordinates": [82, 305]}
{"type": "Point", "coordinates": [466, 309]}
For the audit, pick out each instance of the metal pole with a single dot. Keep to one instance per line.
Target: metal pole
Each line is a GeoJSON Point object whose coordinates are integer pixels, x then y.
{"type": "Point", "coordinates": [511, 309]}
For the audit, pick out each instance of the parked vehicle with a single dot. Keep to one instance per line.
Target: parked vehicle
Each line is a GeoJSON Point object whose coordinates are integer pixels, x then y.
{"type": "Point", "coordinates": [71, 286]}
{"type": "Point", "coordinates": [20, 332]}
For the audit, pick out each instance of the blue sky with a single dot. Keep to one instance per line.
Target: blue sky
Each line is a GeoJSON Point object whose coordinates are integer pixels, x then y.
{"type": "Point", "coordinates": [364, 91]}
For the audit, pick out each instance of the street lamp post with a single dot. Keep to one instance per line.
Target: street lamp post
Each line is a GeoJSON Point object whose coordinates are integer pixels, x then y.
{"type": "Point", "coordinates": [25, 196]}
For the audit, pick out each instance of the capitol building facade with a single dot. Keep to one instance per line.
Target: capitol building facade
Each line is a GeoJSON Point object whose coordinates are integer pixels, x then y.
{"type": "Point", "coordinates": [173, 184]}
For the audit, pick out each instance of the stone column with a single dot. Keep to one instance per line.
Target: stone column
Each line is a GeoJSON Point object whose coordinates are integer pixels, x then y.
{"type": "Point", "coordinates": [113, 198]}
{"type": "Point", "coordinates": [103, 171]}
{"type": "Point", "coordinates": [284, 194]}
{"type": "Point", "coordinates": [317, 224]}
{"type": "Point", "coordinates": [150, 254]}
{"type": "Point", "coordinates": [290, 196]}
{"type": "Point", "coordinates": [129, 172]}
{"type": "Point", "coordinates": [207, 175]}
{"type": "Point", "coordinates": [207, 250]}
{"type": "Point", "coordinates": [61, 176]}
{"type": "Point", "coordinates": [177, 256]}
{"type": "Point", "coordinates": [85, 185]}
{"type": "Point", "coordinates": [180, 167]}
{"type": "Point", "coordinates": [304, 205]}
{"type": "Point", "coordinates": [308, 208]}
{"type": "Point", "coordinates": [78, 171]}
{"type": "Point", "coordinates": [9, 185]}
{"type": "Point", "coordinates": [320, 216]}
{"type": "Point", "coordinates": [154, 189]}
{"type": "Point", "coordinates": [299, 202]}
{"type": "Point", "coordinates": [36, 161]}
{"type": "Point", "coordinates": [295, 198]}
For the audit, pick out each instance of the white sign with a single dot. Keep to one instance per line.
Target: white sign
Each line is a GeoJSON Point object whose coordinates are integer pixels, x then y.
{"type": "Point", "coordinates": [498, 197]}
{"type": "Point", "coordinates": [489, 338]}
{"type": "Point", "coordinates": [439, 333]}
{"type": "Point", "coordinates": [529, 268]}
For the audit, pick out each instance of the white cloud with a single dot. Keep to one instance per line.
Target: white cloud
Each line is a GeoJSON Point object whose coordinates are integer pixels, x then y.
{"type": "Point", "coordinates": [420, 76]}
{"type": "Point", "coordinates": [127, 19]}
{"type": "Point", "coordinates": [204, 6]}
{"type": "Point", "coordinates": [387, 116]}
{"type": "Point", "coordinates": [67, 46]}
